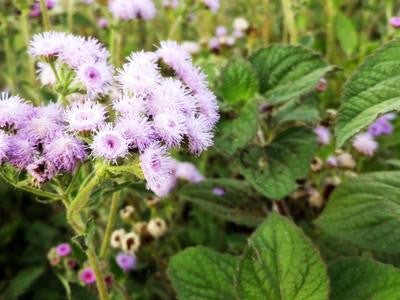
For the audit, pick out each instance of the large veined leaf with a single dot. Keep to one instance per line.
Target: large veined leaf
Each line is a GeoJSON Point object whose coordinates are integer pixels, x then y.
{"type": "Point", "coordinates": [363, 279]}
{"type": "Point", "coordinates": [273, 170]}
{"type": "Point", "coordinates": [366, 212]}
{"type": "Point", "coordinates": [239, 82]}
{"type": "Point", "coordinates": [373, 89]}
{"type": "Point", "coordinates": [281, 263]}
{"type": "Point", "coordinates": [297, 110]}
{"type": "Point", "coordinates": [201, 273]}
{"type": "Point", "coordinates": [346, 33]}
{"type": "Point", "coordinates": [238, 132]}
{"type": "Point", "coordinates": [232, 204]}
{"type": "Point", "coordinates": [287, 71]}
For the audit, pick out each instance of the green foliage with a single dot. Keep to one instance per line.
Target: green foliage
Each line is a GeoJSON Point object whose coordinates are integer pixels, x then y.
{"type": "Point", "coordinates": [346, 33]}
{"type": "Point", "coordinates": [371, 91]}
{"type": "Point", "coordinates": [365, 211]}
{"type": "Point", "coordinates": [200, 273]}
{"type": "Point", "coordinates": [361, 278]}
{"type": "Point", "coordinates": [287, 71]}
{"type": "Point", "coordinates": [239, 82]}
{"type": "Point", "coordinates": [22, 282]}
{"type": "Point", "coordinates": [273, 170]}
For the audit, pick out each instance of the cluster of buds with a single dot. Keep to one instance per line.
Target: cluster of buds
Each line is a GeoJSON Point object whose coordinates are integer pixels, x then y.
{"type": "Point", "coordinates": [223, 39]}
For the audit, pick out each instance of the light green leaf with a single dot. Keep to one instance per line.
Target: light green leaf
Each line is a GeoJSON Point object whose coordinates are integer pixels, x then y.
{"type": "Point", "coordinates": [374, 89]}
{"type": "Point", "coordinates": [287, 71]}
{"type": "Point", "coordinates": [20, 284]}
{"type": "Point", "coordinates": [239, 82]}
{"type": "Point", "coordinates": [281, 263]}
{"type": "Point", "coordinates": [363, 279]}
{"type": "Point", "coordinates": [200, 273]}
{"type": "Point", "coordinates": [238, 132]}
{"type": "Point", "coordinates": [346, 33]}
{"type": "Point", "coordinates": [273, 170]}
{"type": "Point", "coordinates": [232, 206]}
{"type": "Point", "coordinates": [366, 212]}
{"type": "Point", "coordinates": [297, 110]}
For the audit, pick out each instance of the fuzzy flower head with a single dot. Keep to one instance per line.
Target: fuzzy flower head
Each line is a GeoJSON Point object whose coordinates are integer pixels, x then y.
{"type": "Point", "coordinates": [41, 128]}
{"type": "Point", "coordinates": [41, 170]}
{"type": "Point", "coordinates": [188, 171]}
{"type": "Point", "coordinates": [382, 126]}
{"type": "Point", "coordinates": [13, 110]}
{"type": "Point", "coordinates": [109, 143]}
{"type": "Point", "coordinates": [157, 227]}
{"type": "Point", "coordinates": [221, 31]}
{"type": "Point", "coordinates": [21, 151]}
{"type": "Point", "coordinates": [191, 47]}
{"type": "Point", "coordinates": [170, 126]}
{"type": "Point", "coordinates": [157, 166]}
{"type": "Point", "coordinates": [137, 130]}
{"type": "Point", "coordinates": [130, 105]}
{"type": "Point", "coordinates": [4, 144]}
{"type": "Point", "coordinates": [47, 45]}
{"type": "Point", "coordinates": [241, 24]}
{"type": "Point", "coordinates": [87, 276]}
{"type": "Point", "coordinates": [212, 5]}
{"type": "Point", "coordinates": [65, 152]}
{"type": "Point", "coordinates": [199, 134]}
{"type": "Point", "coordinates": [323, 135]}
{"type": "Point", "coordinates": [170, 3]}
{"type": "Point", "coordinates": [95, 77]}
{"type": "Point", "coordinates": [395, 22]}
{"type": "Point", "coordinates": [63, 249]}
{"type": "Point", "coordinates": [86, 116]}
{"type": "Point", "coordinates": [102, 22]}
{"type": "Point", "coordinates": [132, 9]}
{"type": "Point", "coordinates": [365, 144]}
{"type": "Point", "coordinates": [126, 262]}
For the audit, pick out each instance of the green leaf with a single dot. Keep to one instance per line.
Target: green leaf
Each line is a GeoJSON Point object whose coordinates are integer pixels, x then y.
{"type": "Point", "coordinates": [233, 206]}
{"type": "Point", "coordinates": [363, 279]}
{"type": "Point", "coordinates": [366, 212]}
{"type": "Point", "coordinates": [287, 71]}
{"type": "Point", "coordinates": [20, 284]}
{"type": "Point", "coordinates": [374, 89]}
{"type": "Point", "coordinates": [297, 110]}
{"type": "Point", "coordinates": [239, 82]}
{"type": "Point", "coordinates": [346, 33]}
{"type": "Point", "coordinates": [273, 170]}
{"type": "Point", "coordinates": [200, 273]}
{"type": "Point", "coordinates": [238, 132]}
{"type": "Point", "coordinates": [281, 263]}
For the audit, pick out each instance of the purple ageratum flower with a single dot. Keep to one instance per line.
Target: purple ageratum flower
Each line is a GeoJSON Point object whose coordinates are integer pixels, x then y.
{"type": "Point", "coordinates": [199, 134]}
{"type": "Point", "coordinates": [332, 161]}
{"type": "Point", "coordinates": [230, 41]}
{"type": "Point", "coordinates": [45, 74]}
{"type": "Point", "coordinates": [219, 191]}
{"type": "Point", "coordinates": [4, 144]}
{"type": "Point", "coordinates": [137, 130]}
{"type": "Point", "coordinates": [127, 105]}
{"type": "Point", "coordinates": [109, 143]}
{"type": "Point", "coordinates": [323, 135]}
{"type": "Point", "coordinates": [53, 111]}
{"type": "Point", "coordinates": [41, 128]}
{"type": "Point", "coordinates": [365, 144]}
{"type": "Point", "coordinates": [170, 126]}
{"type": "Point", "coordinates": [169, 95]}
{"type": "Point", "coordinates": [221, 31]}
{"type": "Point", "coordinates": [132, 9]}
{"type": "Point", "coordinates": [63, 249]}
{"type": "Point", "coordinates": [95, 77]}
{"type": "Point", "coordinates": [173, 55]}
{"type": "Point", "coordinates": [126, 262]}
{"type": "Point", "coordinates": [47, 44]}
{"type": "Point", "coordinates": [208, 106]}
{"type": "Point", "coordinates": [87, 276]}
{"type": "Point", "coordinates": [41, 170]}
{"type": "Point", "coordinates": [188, 171]}
{"type": "Point", "coordinates": [212, 5]}
{"type": "Point", "coordinates": [65, 152]}
{"type": "Point", "coordinates": [102, 22]}
{"type": "Point", "coordinates": [238, 34]}
{"type": "Point", "coordinates": [214, 44]}
{"type": "Point", "coordinates": [78, 50]}
{"type": "Point", "coordinates": [21, 151]}
{"type": "Point", "coordinates": [132, 78]}
{"type": "Point", "coordinates": [382, 126]}
{"type": "Point", "coordinates": [86, 116]}
{"type": "Point", "coordinates": [165, 187]}
{"type": "Point", "coordinates": [14, 111]}
{"type": "Point", "coordinates": [395, 22]}
{"type": "Point", "coordinates": [157, 167]}
{"type": "Point", "coordinates": [35, 8]}
{"type": "Point", "coordinates": [170, 3]}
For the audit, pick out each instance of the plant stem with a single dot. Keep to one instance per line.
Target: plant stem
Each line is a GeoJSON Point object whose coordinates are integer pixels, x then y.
{"type": "Point", "coordinates": [290, 22]}
{"type": "Point", "coordinates": [267, 22]}
{"type": "Point", "coordinates": [70, 16]}
{"type": "Point", "coordinates": [110, 223]}
{"type": "Point", "coordinates": [45, 15]}
{"type": "Point", "coordinates": [330, 35]}
{"type": "Point", "coordinates": [94, 263]}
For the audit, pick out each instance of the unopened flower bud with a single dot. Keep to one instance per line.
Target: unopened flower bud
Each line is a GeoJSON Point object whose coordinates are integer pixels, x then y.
{"type": "Point", "coordinates": [157, 227]}
{"type": "Point", "coordinates": [322, 85]}
{"type": "Point", "coordinates": [127, 212]}
{"type": "Point", "coordinates": [346, 161]}
{"type": "Point", "coordinates": [116, 238]}
{"type": "Point", "coordinates": [315, 199]}
{"type": "Point", "coordinates": [131, 243]}
{"type": "Point", "coordinates": [316, 165]}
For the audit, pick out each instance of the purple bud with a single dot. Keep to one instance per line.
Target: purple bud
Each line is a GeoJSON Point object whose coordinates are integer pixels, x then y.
{"type": "Point", "coordinates": [126, 262]}
{"type": "Point", "coordinates": [63, 249]}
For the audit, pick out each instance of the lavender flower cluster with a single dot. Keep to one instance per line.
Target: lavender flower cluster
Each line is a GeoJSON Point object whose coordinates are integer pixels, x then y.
{"type": "Point", "coordinates": [142, 111]}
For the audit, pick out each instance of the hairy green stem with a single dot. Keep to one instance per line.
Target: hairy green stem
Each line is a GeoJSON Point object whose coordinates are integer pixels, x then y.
{"type": "Point", "coordinates": [45, 15]}
{"type": "Point", "coordinates": [110, 224]}
{"type": "Point", "coordinates": [290, 22]}
{"type": "Point", "coordinates": [94, 263]}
